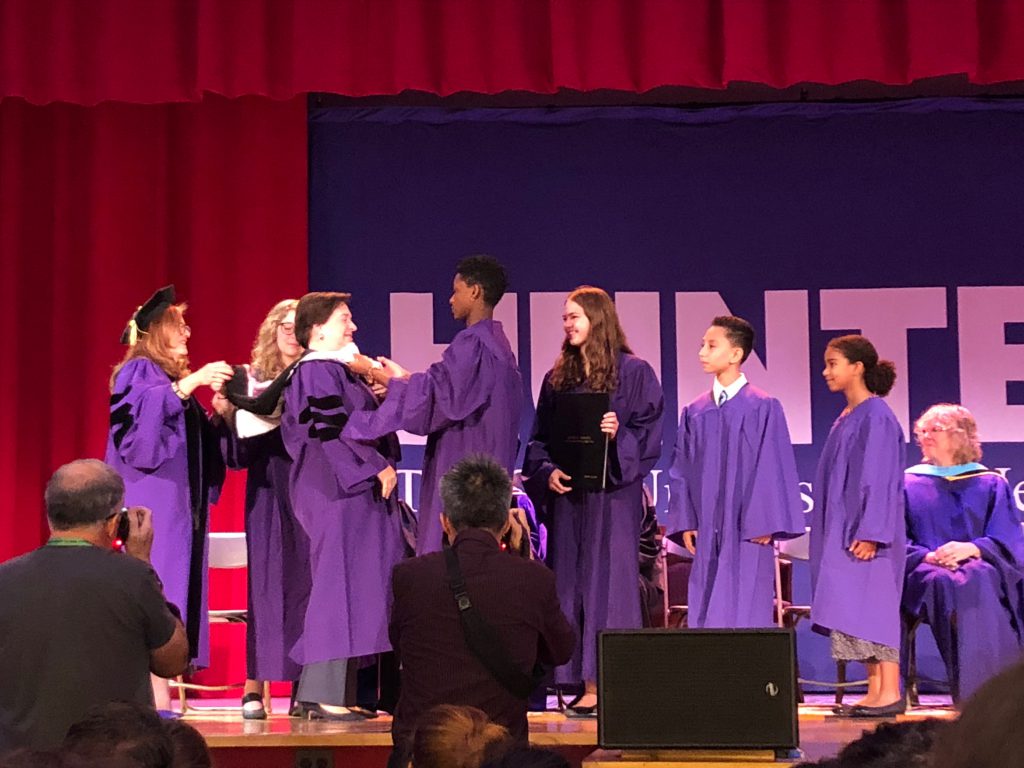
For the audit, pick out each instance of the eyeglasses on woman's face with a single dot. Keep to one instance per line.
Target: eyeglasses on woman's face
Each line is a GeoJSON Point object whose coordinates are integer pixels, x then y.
{"type": "Point", "coordinates": [288, 329]}
{"type": "Point", "coordinates": [932, 431]}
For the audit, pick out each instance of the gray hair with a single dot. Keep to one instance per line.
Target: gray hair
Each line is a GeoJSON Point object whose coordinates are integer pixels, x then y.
{"type": "Point", "coordinates": [82, 492]}
{"type": "Point", "coordinates": [477, 493]}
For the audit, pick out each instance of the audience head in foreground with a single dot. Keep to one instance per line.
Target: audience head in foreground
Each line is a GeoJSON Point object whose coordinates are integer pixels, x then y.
{"type": "Point", "coordinates": [448, 736]}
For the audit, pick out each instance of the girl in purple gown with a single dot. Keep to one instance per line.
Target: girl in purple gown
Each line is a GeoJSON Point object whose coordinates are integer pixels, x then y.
{"type": "Point", "coordinates": [858, 539]}
{"type": "Point", "coordinates": [278, 551]}
{"type": "Point", "coordinates": [594, 536]}
{"type": "Point", "coordinates": [342, 495]}
{"type": "Point", "coordinates": [169, 455]}
{"type": "Point", "coordinates": [965, 551]}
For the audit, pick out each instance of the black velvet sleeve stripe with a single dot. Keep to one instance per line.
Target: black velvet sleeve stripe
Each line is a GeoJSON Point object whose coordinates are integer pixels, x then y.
{"type": "Point", "coordinates": [326, 403]}
{"type": "Point", "coordinates": [324, 426]}
{"type": "Point", "coordinates": [121, 420]}
{"type": "Point", "coordinates": [117, 397]}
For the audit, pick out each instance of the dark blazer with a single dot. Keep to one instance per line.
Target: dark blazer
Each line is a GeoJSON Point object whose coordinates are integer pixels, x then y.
{"type": "Point", "coordinates": [516, 596]}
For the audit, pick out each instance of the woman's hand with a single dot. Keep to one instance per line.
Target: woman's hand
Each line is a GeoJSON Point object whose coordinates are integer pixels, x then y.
{"type": "Point", "coordinates": [762, 540]}
{"type": "Point", "coordinates": [221, 405]}
{"type": "Point", "coordinates": [388, 480]}
{"type": "Point", "coordinates": [213, 375]}
{"type": "Point", "coordinates": [864, 550]}
{"type": "Point", "coordinates": [555, 481]}
{"type": "Point", "coordinates": [610, 424]}
{"type": "Point", "coordinates": [952, 553]}
{"type": "Point", "coordinates": [690, 541]}
{"type": "Point", "coordinates": [360, 365]}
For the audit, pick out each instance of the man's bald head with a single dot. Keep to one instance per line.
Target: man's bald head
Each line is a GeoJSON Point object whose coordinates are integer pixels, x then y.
{"type": "Point", "coordinates": [83, 492]}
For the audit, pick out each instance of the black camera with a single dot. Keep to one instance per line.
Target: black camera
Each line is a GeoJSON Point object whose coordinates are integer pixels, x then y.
{"type": "Point", "coordinates": [123, 527]}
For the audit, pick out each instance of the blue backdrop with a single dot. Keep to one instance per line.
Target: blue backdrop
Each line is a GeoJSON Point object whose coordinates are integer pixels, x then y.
{"type": "Point", "coordinates": [901, 220]}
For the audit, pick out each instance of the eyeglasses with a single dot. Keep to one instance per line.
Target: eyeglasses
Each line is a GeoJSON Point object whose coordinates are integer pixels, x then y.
{"type": "Point", "coordinates": [925, 431]}
{"type": "Point", "coordinates": [184, 330]}
{"type": "Point", "coordinates": [288, 328]}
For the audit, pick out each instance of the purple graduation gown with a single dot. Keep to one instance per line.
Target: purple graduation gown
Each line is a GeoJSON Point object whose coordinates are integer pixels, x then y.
{"type": "Point", "coordinates": [278, 552]}
{"type": "Point", "coordinates": [977, 611]}
{"type": "Point", "coordinates": [469, 402]}
{"type": "Point", "coordinates": [169, 456]}
{"type": "Point", "coordinates": [733, 478]}
{"type": "Point", "coordinates": [593, 538]}
{"type": "Point", "coordinates": [354, 538]}
{"type": "Point", "coordinates": [858, 495]}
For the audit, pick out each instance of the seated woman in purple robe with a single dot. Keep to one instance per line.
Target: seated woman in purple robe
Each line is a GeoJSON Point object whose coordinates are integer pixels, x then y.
{"type": "Point", "coordinates": [277, 548]}
{"type": "Point", "coordinates": [594, 535]}
{"type": "Point", "coordinates": [168, 453]}
{"type": "Point", "coordinates": [341, 494]}
{"type": "Point", "coordinates": [965, 551]}
{"type": "Point", "coordinates": [858, 539]}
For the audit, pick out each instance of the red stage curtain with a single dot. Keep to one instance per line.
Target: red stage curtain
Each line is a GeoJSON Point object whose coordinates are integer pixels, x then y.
{"type": "Point", "coordinates": [103, 205]}
{"type": "Point", "coordinates": [155, 51]}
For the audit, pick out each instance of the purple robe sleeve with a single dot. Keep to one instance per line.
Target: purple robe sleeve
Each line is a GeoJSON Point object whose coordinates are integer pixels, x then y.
{"type": "Point", "coordinates": [447, 393]}
{"type": "Point", "coordinates": [537, 464]}
{"type": "Point", "coordinates": [323, 413]}
{"type": "Point", "coordinates": [637, 445]}
{"type": "Point", "coordinates": [1003, 542]}
{"type": "Point", "coordinates": [682, 512]}
{"type": "Point", "coordinates": [916, 553]}
{"type": "Point", "coordinates": [773, 504]}
{"type": "Point", "coordinates": [881, 482]}
{"type": "Point", "coordinates": [146, 417]}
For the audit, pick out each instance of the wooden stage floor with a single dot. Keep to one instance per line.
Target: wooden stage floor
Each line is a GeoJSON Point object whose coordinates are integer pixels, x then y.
{"type": "Point", "coordinates": [283, 741]}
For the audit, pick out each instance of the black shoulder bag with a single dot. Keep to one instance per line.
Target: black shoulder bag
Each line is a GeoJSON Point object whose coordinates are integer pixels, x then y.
{"type": "Point", "coordinates": [482, 639]}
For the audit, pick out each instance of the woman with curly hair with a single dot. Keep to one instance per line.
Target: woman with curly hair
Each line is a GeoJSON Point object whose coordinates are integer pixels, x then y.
{"type": "Point", "coordinates": [168, 452]}
{"type": "Point", "coordinates": [278, 550]}
{"type": "Point", "coordinates": [858, 540]}
{"type": "Point", "coordinates": [965, 551]}
{"type": "Point", "coordinates": [593, 535]}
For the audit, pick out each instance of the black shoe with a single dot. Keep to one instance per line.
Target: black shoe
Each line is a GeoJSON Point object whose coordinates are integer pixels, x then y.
{"type": "Point", "coordinates": [581, 713]}
{"type": "Point", "coordinates": [252, 707]}
{"type": "Point", "coordinates": [889, 710]}
{"type": "Point", "coordinates": [842, 710]}
{"type": "Point", "coordinates": [313, 711]}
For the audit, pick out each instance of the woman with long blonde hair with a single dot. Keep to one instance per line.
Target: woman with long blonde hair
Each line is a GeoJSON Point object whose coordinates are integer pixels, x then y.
{"type": "Point", "coordinates": [594, 535]}
{"type": "Point", "coordinates": [278, 550]}
{"type": "Point", "coordinates": [167, 450]}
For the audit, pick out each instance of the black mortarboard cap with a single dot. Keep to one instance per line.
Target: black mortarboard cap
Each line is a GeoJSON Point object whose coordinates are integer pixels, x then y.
{"type": "Point", "coordinates": [144, 316]}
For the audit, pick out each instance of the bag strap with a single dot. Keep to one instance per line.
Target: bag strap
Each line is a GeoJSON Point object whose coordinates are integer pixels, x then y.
{"type": "Point", "coordinates": [483, 640]}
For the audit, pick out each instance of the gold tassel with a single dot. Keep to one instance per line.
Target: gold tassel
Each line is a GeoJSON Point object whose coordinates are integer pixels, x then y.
{"type": "Point", "coordinates": [133, 332]}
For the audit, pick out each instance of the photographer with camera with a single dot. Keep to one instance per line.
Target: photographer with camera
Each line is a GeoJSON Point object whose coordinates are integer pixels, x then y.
{"type": "Point", "coordinates": [81, 623]}
{"type": "Point", "coordinates": [470, 623]}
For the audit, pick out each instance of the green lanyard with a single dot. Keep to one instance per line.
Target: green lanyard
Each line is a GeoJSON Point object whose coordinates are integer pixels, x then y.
{"type": "Point", "coordinates": [69, 543]}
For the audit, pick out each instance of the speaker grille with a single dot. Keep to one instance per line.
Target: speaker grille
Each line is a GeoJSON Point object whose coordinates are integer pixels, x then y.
{"type": "Point", "coordinates": [697, 688]}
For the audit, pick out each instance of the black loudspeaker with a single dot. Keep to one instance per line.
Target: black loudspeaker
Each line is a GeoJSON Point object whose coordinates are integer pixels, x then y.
{"type": "Point", "coordinates": [697, 689]}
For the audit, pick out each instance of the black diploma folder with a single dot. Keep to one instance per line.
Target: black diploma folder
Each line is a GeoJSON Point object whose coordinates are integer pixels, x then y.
{"type": "Point", "coordinates": [578, 446]}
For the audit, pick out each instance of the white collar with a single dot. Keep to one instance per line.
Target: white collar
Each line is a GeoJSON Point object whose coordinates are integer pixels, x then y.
{"type": "Point", "coordinates": [731, 391]}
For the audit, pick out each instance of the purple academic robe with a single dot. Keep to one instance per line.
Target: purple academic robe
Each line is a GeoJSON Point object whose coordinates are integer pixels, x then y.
{"type": "Point", "coordinates": [977, 611]}
{"type": "Point", "coordinates": [469, 402]}
{"type": "Point", "coordinates": [354, 538]}
{"type": "Point", "coordinates": [858, 495]}
{"type": "Point", "coordinates": [733, 478]}
{"type": "Point", "coordinates": [593, 539]}
{"type": "Point", "coordinates": [169, 456]}
{"type": "Point", "coordinates": [278, 554]}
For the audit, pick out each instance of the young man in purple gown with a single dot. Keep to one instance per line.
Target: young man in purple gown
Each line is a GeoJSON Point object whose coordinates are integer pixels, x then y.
{"type": "Point", "coordinates": [469, 402]}
{"type": "Point", "coordinates": [734, 486]}
{"type": "Point", "coordinates": [965, 551]}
